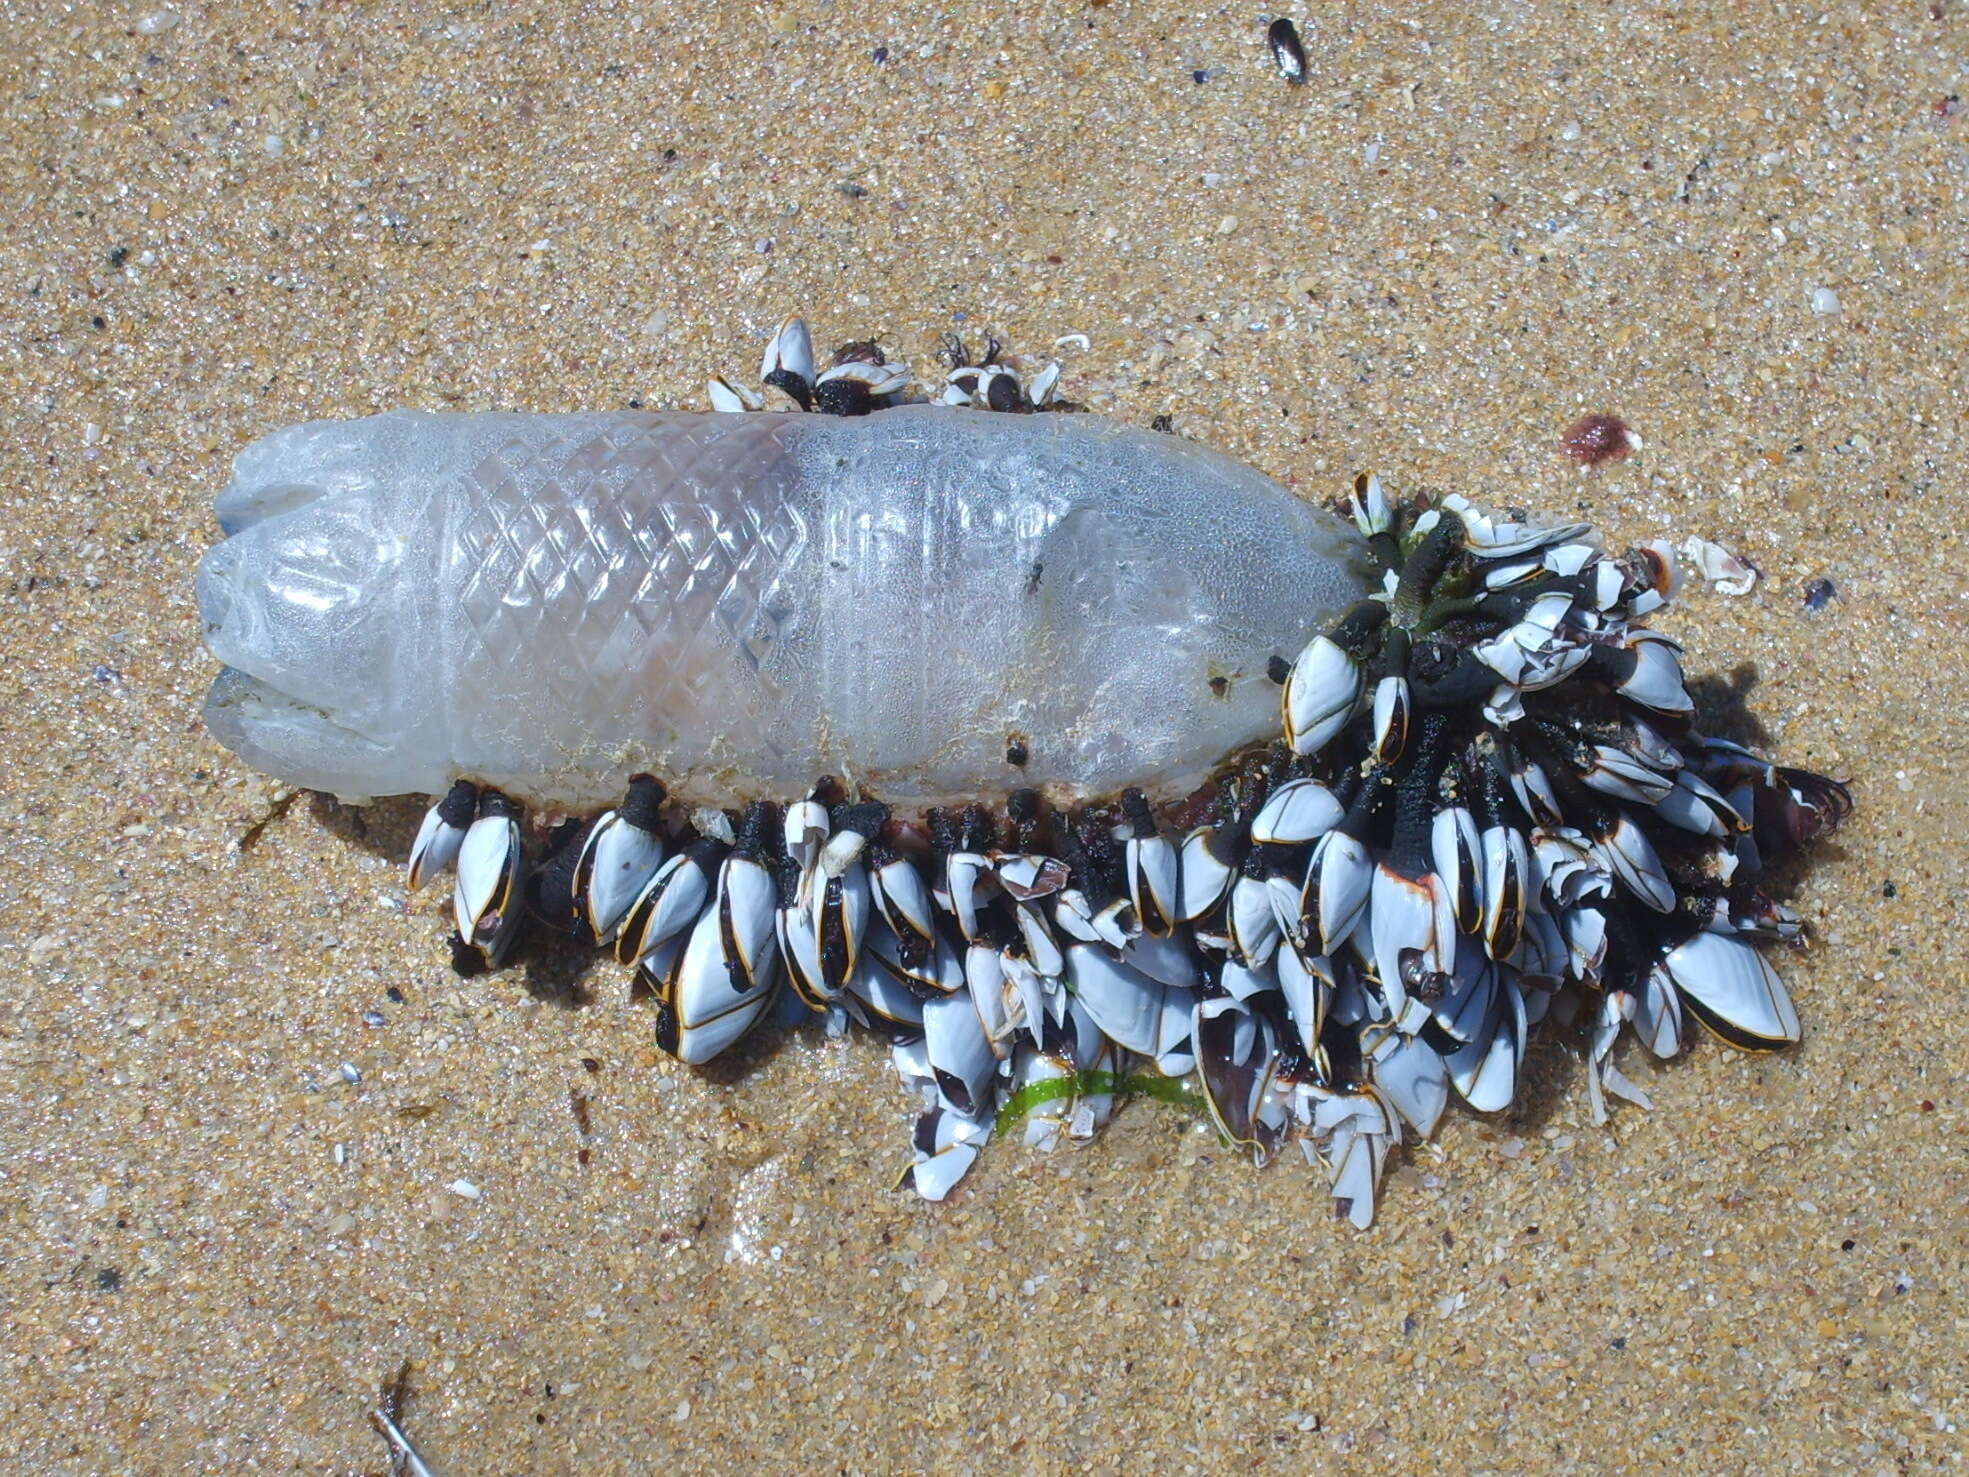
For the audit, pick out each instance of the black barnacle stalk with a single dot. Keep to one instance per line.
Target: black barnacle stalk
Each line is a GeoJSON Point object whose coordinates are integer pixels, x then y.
{"type": "Point", "coordinates": [1026, 811]}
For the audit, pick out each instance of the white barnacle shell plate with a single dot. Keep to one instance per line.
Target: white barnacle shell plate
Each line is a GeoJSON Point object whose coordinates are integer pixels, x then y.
{"type": "Point", "coordinates": [551, 603]}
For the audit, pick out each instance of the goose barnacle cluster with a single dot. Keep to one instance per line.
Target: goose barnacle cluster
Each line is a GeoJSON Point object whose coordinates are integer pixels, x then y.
{"type": "Point", "coordinates": [1070, 852]}
{"type": "Point", "coordinates": [1489, 809]}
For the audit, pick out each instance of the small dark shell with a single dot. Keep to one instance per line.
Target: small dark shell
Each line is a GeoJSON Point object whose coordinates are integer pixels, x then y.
{"type": "Point", "coordinates": [1287, 54]}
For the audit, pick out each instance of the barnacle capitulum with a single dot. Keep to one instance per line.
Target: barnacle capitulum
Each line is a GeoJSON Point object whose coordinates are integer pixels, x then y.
{"type": "Point", "coordinates": [1341, 892]}
{"type": "Point", "coordinates": [988, 384]}
{"type": "Point", "coordinates": [858, 380]}
{"type": "Point", "coordinates": [619, 857]}
{"type": "Point", "coordinates": [486, 900]}
{"type": "Point", "coordinates": [442, 833]}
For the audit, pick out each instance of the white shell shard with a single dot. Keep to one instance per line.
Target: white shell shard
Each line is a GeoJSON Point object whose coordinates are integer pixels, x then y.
{"type": "Point", "coordinates": [1127, 1005]}
{"type": "Point", "coordinates": [1456, 850]}
{"type": "Point", "coordinates": [1465, 1005]}
{"type": "Point", "coordinates": [1626, 777]}
{"type": "Point", "coordinates": [551, 603]}
{"type": "Point", "coordinates": [1241, 982]}
{"type": "Point", "coordinates": [1411, 926]}
{"type": "Point", "coordinates": [730, 399]}
{"type": "Point", "coordinates": [1355, 1132]}
{"type": "Point", "coordinates": [903, 899]}
{"type": "Point", "coordinates": [1695, 805]}
{"type": "Point", "coordinates": [946, 1146]}
{"type": "Point", "coordinates": [1124, 1003]}
{"type": "Point", "coordinates": [1370, 505]}
{"type": "Point", "coordinates": [748, 926]}
{"type": "Point", "coordinates": [984, 976]}
{"type": "Point", "coordinates": [1486, 1070]}
{"type": "Point", "coordinates": [1390, 718]}
{"type": "Point", "coordinates": [790, 349]}
{"type": "Point", "coordinates": [1506, 869]}
{"type": "Point", "coordinates": [968, 880]}
{"type": "Point", "coordinates": [841, 907]}
{"type": "Point", "coordinates": [806, 827]}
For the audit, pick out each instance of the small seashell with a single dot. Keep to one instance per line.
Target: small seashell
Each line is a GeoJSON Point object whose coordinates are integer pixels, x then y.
{"type": "Point", "coordinates": [1288, 55]}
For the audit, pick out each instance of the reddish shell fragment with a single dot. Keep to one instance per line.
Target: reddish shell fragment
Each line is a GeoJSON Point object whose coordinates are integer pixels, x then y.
{"type": "Point", "coordinates": [1593, 439]}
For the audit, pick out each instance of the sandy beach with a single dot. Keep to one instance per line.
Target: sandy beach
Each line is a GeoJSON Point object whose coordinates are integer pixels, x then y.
{"type": "Point", "coordinates": [260, 1145]}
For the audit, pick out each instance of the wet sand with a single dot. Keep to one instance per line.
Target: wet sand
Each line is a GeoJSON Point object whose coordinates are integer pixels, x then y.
{"type": "Point", "coordinates": [1740, 227]}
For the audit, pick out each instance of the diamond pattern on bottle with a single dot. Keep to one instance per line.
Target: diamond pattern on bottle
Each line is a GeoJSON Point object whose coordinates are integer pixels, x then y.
{"type": "Point", "coordinates": [607, 536]}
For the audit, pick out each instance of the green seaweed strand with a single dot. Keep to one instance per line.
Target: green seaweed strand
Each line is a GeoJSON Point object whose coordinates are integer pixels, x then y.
{"type": "Point", "coordinates": [1088, 1084]}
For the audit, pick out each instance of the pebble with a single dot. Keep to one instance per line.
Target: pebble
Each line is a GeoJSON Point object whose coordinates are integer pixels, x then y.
{"type": "Point", "coordinates": [1227, 225]}
{"type": "Point", "coordinates": [464, 1189]}
{"type": "Point", "coordinates": [158, 22]}
{"type": "Point", "coordinates": [1824, 301]}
